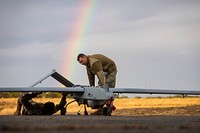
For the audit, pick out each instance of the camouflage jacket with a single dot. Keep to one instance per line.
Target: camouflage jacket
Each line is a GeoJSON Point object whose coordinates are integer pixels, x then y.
{"type": "Point", "coordinates": [98, 64]}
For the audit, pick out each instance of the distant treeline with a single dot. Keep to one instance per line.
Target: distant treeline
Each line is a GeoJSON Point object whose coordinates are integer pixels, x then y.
{"type": "Point", "coordinates": [58, 95]}
{"type": "Point", "coordinates": [18, 94]}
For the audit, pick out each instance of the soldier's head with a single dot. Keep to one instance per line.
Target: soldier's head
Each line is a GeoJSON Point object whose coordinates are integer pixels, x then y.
{"type": "Point", "coordinates": [48, 108]}
{"type": "Point", "coordinates": [82, 59]}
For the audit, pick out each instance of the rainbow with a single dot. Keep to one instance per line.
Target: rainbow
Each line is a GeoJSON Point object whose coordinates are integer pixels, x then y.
{"type": "Point", "coordinates": [75, 41]}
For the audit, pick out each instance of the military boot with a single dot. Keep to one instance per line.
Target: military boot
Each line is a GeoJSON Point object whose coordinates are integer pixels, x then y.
{"type": "Point", "coordinates": [19, 107]}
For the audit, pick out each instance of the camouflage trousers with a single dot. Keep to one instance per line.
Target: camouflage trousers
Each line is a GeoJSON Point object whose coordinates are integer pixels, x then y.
{"type": "Point", "coordinates": [110, 79]}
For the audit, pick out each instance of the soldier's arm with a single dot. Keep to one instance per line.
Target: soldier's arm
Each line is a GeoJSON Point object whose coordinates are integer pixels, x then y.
{"type": "Point", "coordinates": [61, 105]}
{"type": "Point", "coordinates": [91, 78]}
{"type": "Point", "coordinates": [100, 76]}
{"type": "Point", "coordinates": [97, 67]}
{"type": "Point", "coordinates": [28, 97]}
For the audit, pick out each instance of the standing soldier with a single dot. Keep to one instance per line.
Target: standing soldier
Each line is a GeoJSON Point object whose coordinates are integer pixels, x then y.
{"type": "Point", "coordinates": [98, 64]}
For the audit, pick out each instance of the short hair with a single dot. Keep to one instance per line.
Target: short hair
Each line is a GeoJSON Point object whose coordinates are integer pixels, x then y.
{"type": "Point", "coordinates": [80, 55]}
{"type": "Point", "coordinates": [48, 108]}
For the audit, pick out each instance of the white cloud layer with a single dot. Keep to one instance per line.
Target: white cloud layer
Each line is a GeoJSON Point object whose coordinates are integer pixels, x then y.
{"type": "Point", "coordinates": [154, 43]}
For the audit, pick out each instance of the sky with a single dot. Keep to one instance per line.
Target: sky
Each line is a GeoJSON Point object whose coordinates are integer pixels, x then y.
{"type": "Point", "coordinates": [154, 43]}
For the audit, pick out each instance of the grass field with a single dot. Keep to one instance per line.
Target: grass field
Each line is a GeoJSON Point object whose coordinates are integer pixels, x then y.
{"type": "Point", "coordinates": [188, 106]}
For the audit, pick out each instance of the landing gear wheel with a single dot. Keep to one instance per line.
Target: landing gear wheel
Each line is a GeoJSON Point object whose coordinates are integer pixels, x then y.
{"type": "Point", "coordinates": [106, 112]}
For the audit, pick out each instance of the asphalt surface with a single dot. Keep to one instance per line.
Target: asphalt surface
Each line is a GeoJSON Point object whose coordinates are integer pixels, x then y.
{"type": "Point", "coordinates": [99, 124]}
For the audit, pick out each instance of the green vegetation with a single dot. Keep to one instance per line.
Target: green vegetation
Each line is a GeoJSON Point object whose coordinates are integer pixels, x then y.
{"type": "Point", "coordinates": [58, 95]}
{"type": "Point", "coordinates": [17, 94]}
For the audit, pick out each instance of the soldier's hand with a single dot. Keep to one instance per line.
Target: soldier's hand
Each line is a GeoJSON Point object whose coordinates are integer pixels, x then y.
{"type": "Point", "coordinates": [37, 93]}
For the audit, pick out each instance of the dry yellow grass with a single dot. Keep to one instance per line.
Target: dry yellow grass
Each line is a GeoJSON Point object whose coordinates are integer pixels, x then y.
{"type": "Point", "coordinates": [158, 106]}
{"type": "Point", "coordinates": [155, 102]}
{"type": "Point", "coordinates": [126, 106]}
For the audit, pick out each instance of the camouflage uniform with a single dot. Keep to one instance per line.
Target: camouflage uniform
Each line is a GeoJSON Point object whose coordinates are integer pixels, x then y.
{"type": "Point", "coordinates": [98, 64]}
{"type": "Point", "coordinates": [30, 107]}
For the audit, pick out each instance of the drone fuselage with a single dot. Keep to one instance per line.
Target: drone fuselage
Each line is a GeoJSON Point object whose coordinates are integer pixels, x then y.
{"type": "Point", "coordinates": [94, 93]}
{"type": "Point", "coordinates": [94, 97]}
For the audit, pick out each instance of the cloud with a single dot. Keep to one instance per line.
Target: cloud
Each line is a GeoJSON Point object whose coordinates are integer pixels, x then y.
{"type": "Point", "coordinates": [23, 22]}
{"type": "Point", "coordinates": [153, 42]}
{"type": "Point", "coordinates": [31, 50]}
{"type": "Point", "coordinates": [172, 28]}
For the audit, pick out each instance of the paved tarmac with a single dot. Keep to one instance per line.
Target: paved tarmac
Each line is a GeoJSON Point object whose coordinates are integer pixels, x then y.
{"type": "Point", "coordinates": [99, 124]}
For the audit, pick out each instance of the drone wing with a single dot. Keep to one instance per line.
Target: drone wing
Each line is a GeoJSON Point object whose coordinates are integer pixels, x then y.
{"type": "Point", "coordinates": [69, 85]}
{"type": "Point", "coordinates": [154, 91]}
{"type": "Point", "coordinates": [42, 89]}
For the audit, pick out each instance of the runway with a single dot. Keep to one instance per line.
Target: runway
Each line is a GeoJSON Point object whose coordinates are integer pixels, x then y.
{"type": "Point", "coordinates": [99, 124]}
